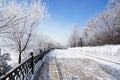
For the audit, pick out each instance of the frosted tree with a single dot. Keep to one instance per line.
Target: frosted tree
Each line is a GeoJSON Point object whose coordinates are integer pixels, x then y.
{"type": "Point", "coordinates": [44, 42]}
{"type": "Point", "coordinates": [7, 18]}
{"type": "Point", "coordinates": [28, 15]}
{"type": "Point", "coordinates": [105, 27]}
{"type": "Point", "coordinates": [74, 37]}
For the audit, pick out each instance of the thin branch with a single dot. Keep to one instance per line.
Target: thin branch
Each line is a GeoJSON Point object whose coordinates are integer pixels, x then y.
{"type": "Point", "coordinates": [7, 22]}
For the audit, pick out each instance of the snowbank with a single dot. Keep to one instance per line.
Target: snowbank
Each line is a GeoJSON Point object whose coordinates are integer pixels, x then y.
{"type": "Point", "coordinates": [107, 52]}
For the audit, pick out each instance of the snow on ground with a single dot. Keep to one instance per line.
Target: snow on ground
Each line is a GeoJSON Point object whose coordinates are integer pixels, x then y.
{"type": "Point", "coordinates": [108, 52]}
{"type": "Point", "coordinates": [72, 65]}
{"type": "Point", "coordinates": [71, 69]}
{"type": "Point", "coordinates": [58, 53]}
{"type": "Point", "coordinates": [75, 54]}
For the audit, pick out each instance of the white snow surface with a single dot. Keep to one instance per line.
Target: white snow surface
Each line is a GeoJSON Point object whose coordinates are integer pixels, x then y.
{"type": "Point", "coordinates": [73, 53]}
{"type": "Point", "coordinates": [111, 68]}
{"type": "Point", "coordinates": [107, 52]}
{"type": "Point", "coordinates": [58, 53]}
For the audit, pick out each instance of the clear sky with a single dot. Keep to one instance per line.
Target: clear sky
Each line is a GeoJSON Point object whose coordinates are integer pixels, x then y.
{"type": "Point", "coordinates": [64, 14]}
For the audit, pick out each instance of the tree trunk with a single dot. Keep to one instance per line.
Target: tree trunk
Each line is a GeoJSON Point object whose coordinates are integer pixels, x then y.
{"type": "Point", "coordinates": [19, 59]}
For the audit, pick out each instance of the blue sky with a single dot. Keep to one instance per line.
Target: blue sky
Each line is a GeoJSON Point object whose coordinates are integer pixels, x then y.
{"type": "Point", "coordinates": [64, 14]}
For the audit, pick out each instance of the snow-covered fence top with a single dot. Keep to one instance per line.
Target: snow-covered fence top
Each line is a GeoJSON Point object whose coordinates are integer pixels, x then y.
{"type": "Point", "coordinates": [26, 69]}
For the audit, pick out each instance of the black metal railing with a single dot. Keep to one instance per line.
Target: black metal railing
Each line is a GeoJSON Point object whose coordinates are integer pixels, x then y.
{"type": "Point", "coordinates": [25, 69]}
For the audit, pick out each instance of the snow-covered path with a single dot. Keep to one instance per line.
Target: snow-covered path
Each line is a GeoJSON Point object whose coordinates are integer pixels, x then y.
{"type": "Point", "coordinates": [78, 54]}
{"type": "Point", "coordinates": [73, 65]}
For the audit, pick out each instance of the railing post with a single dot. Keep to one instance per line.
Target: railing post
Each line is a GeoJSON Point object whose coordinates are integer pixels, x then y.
{"type": "Point", "coordinates": [1, 71]}
{"type": "Point", "coordinates": [32, 62]}
{"type": "Point", "coordinates": [40, 51]}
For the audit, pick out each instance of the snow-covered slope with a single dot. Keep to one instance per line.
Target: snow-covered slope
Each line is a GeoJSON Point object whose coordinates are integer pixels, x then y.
{"type": "Point", "coordinates": [107, 52]}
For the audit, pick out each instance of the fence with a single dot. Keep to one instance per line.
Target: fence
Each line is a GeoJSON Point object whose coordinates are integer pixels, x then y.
{"type": "Point", "coordinates": [26, 69]}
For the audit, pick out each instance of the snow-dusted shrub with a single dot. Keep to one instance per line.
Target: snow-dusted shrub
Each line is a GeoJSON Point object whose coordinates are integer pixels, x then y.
{"type": "Point", "coordinates": [4, 67]}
